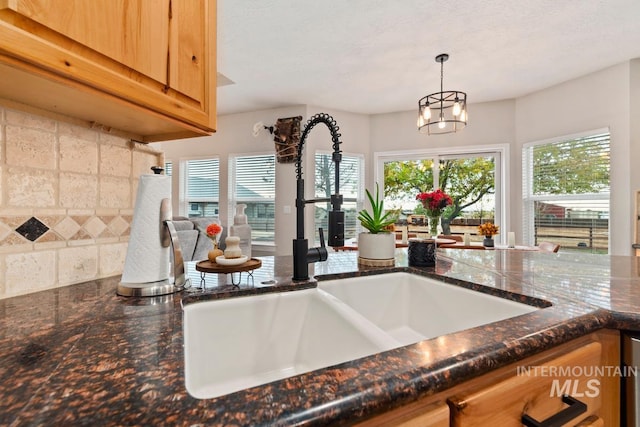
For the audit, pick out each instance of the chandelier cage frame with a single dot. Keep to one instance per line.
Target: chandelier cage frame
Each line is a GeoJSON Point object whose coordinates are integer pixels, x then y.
{"type": "Point", "coordinates": [437, 112]}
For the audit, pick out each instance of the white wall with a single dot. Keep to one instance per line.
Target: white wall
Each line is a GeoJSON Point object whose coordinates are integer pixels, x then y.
{"type": "Point", "coordinates": [605, 99]}
{"type": "Point", "coordinates": [490, 124]}
{"type": "Point", "coordinates": [234, 136]}
{"type": "Point", "coordinates": [598, 100]}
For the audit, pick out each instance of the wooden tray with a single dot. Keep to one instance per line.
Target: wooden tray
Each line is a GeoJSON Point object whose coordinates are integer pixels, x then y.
{"type": "Point", "coordinates": [207, 266]}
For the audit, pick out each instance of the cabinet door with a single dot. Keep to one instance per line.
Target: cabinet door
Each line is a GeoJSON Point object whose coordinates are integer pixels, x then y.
{"type": "Point", "coordinates": [186, 50]}
{"type": "Point", "coordinates": [158, 56]}
{"type": "Point", "coordinates": [132, 33]}
{"type": "Point", "coordinates": [536, 393]}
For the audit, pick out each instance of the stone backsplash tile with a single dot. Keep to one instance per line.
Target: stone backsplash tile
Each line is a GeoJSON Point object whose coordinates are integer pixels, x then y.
{"type": "Point", "coordinates": [32, 229]}
{"type": "Point", "coordinates": [31, 187]}
{"type": "Point", "coordinates": [115, 161]}
{"type": "Point", "coordinates": [78, 190]}
{"type": "Point", "coordinates": [67, 193]}
{"type": "Point", "coordinates": [115, 192]}
{"type": "Point", "coordinates": [78, 155]}
{"type": "Point", "coordinates": [31, 146]}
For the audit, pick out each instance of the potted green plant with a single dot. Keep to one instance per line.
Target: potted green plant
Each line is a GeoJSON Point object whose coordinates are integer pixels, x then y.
{"type": "Point", "coordinates": [377, 246]}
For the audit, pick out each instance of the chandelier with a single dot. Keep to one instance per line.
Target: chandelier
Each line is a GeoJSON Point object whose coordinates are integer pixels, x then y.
{"type": "Point", "coordinates": [442, 112]}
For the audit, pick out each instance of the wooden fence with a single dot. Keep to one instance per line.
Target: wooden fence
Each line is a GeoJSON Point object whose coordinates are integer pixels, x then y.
{"type": "Point", "coordinates": [575, 234]}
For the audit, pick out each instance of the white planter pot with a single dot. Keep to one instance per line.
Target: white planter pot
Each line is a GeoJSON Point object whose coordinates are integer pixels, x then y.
{"type": "Point", "coordinates": [377, 246]}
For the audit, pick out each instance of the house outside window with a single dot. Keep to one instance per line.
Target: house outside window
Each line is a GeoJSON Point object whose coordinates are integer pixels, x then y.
{"type": "Point", "coordinates": [253, 183]}
{"type": "Point", "coordinates": [566, 192]}
{"type": "Point", "coordinates": [200, 187]}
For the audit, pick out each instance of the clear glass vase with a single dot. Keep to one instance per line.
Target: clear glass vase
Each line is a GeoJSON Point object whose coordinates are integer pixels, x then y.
{"type": "Point", "coordinates": [434, 221]}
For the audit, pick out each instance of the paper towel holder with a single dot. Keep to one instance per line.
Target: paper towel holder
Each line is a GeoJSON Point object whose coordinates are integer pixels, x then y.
{"type": "Point", "coordinates": [169, 237]}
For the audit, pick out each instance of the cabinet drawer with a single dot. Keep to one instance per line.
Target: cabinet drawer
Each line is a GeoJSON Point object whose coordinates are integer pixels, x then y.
{"type": "Point", "coordinates": [535, 391]}
{"type": "Point", "coordinates": [413, 415]}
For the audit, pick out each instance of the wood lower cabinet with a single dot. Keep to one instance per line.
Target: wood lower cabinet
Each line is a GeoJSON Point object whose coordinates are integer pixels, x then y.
{"type": "Point", "coordinates": [582, 368]}
{"type": "Point", "coordinates": [146, 67]}
{"type": "Point", "coordinates": [537, 393]}
{"type": "Point", "coordinates": [434, 414]}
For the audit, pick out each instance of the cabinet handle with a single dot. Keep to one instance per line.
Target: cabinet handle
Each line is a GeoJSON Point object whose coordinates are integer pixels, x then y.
{"type": "Point", "coordinates": [575, 408]}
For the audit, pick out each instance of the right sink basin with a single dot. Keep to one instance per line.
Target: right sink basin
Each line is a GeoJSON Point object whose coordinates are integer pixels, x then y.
{"type": "Point", "coordinates": [412, 308]}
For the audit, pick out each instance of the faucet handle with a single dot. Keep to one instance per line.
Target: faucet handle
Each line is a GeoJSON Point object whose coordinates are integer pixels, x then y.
{"type": "Point", "coordinates": [318, 253]}
{"type": "Point", "coordinates": [321, 233]}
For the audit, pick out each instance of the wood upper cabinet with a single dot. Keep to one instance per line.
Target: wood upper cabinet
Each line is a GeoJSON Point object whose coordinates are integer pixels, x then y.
{"type": "Point", "coordinates": [146, 67]}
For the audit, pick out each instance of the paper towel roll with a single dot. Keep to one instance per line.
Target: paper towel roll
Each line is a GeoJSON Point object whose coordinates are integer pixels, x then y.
{"type": "Point", "coordinates": [147, 260]}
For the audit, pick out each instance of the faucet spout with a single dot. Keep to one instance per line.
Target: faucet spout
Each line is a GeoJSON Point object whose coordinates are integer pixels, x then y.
{"type": "Point", "coordinates": [302, 254]}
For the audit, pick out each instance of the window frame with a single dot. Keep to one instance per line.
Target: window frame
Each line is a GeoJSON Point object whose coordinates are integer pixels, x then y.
{"type": "Point", "coordinates": [502, 172]}
{"type": "Point", "coordinates": [529, 199]}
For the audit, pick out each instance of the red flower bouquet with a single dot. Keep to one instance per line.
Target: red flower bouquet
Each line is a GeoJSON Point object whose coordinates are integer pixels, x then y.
{"type": "Point", "coordinates": [435, 201]}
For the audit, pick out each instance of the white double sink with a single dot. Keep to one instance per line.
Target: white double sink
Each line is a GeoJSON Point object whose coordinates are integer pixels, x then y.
{"type": "Point", "coordinates": [237, 343]}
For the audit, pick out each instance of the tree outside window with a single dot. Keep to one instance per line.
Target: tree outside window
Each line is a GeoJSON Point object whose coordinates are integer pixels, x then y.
{"type": "Point", "coordinates": [470, 180]}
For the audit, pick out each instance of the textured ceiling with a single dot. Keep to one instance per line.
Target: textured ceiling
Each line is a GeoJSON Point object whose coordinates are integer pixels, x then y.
{"type": "Point", "coordinates": [377, 56]}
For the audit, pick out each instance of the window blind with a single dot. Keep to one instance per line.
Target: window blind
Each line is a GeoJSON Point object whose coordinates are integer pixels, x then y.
{"type": "Point", "coordinates": [254, 184]}
{"type": "Point", "coordinates": [577, 166]}
{"type": "Point", "coordinates": [255, 178]}
{"type": "Point", "coordinates": [203, 182]}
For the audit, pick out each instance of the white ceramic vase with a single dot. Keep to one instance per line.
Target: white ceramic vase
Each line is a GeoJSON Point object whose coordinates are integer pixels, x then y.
{"type": "Point", "coordinates": [377, 246]}
{"type": "Point", "coordinates": [232, 249]}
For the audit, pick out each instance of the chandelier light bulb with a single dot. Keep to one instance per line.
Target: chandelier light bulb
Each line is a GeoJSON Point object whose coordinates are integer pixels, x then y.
{"type": "Point", "coordinates": [463, 116]}
{"type": "Point", "coordinates": [426, 112]}
{"type": "Point", "coordinates": [456, 108]}
{"type": "Point", "coordinates": [442, 124]}
{"type": "Point", "coordinates": [420, 120]}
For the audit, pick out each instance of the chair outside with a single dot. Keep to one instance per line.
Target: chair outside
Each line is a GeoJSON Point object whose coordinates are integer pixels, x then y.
{"type": "Point", "coordinates": [548, 247]}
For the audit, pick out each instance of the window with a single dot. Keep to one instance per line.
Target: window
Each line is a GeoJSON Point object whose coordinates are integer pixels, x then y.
{"type": "Point", "coordinates": [472, 177]}
{"type": "Point", "coordinates": [201, 190]}
{"type": "Point", "coordinates": [168, 170]}
{"type": "Point", "coordinates": [351, 172]}
{"type": "Point", "coordinates": [566, 192]}
{"type": "Point", "coordinates": [253, 182]}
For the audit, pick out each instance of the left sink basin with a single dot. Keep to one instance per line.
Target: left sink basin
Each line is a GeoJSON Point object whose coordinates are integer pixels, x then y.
{"type": "Point", "coordinates": [237, 343]}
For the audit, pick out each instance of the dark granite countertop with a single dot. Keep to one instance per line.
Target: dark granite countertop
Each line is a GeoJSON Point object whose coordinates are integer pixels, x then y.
{"type": "Point", "coordinates": [81, 355]}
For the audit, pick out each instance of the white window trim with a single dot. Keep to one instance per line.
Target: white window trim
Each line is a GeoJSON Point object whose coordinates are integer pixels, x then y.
{"type": "Point", "coordinates": [502, 173]}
